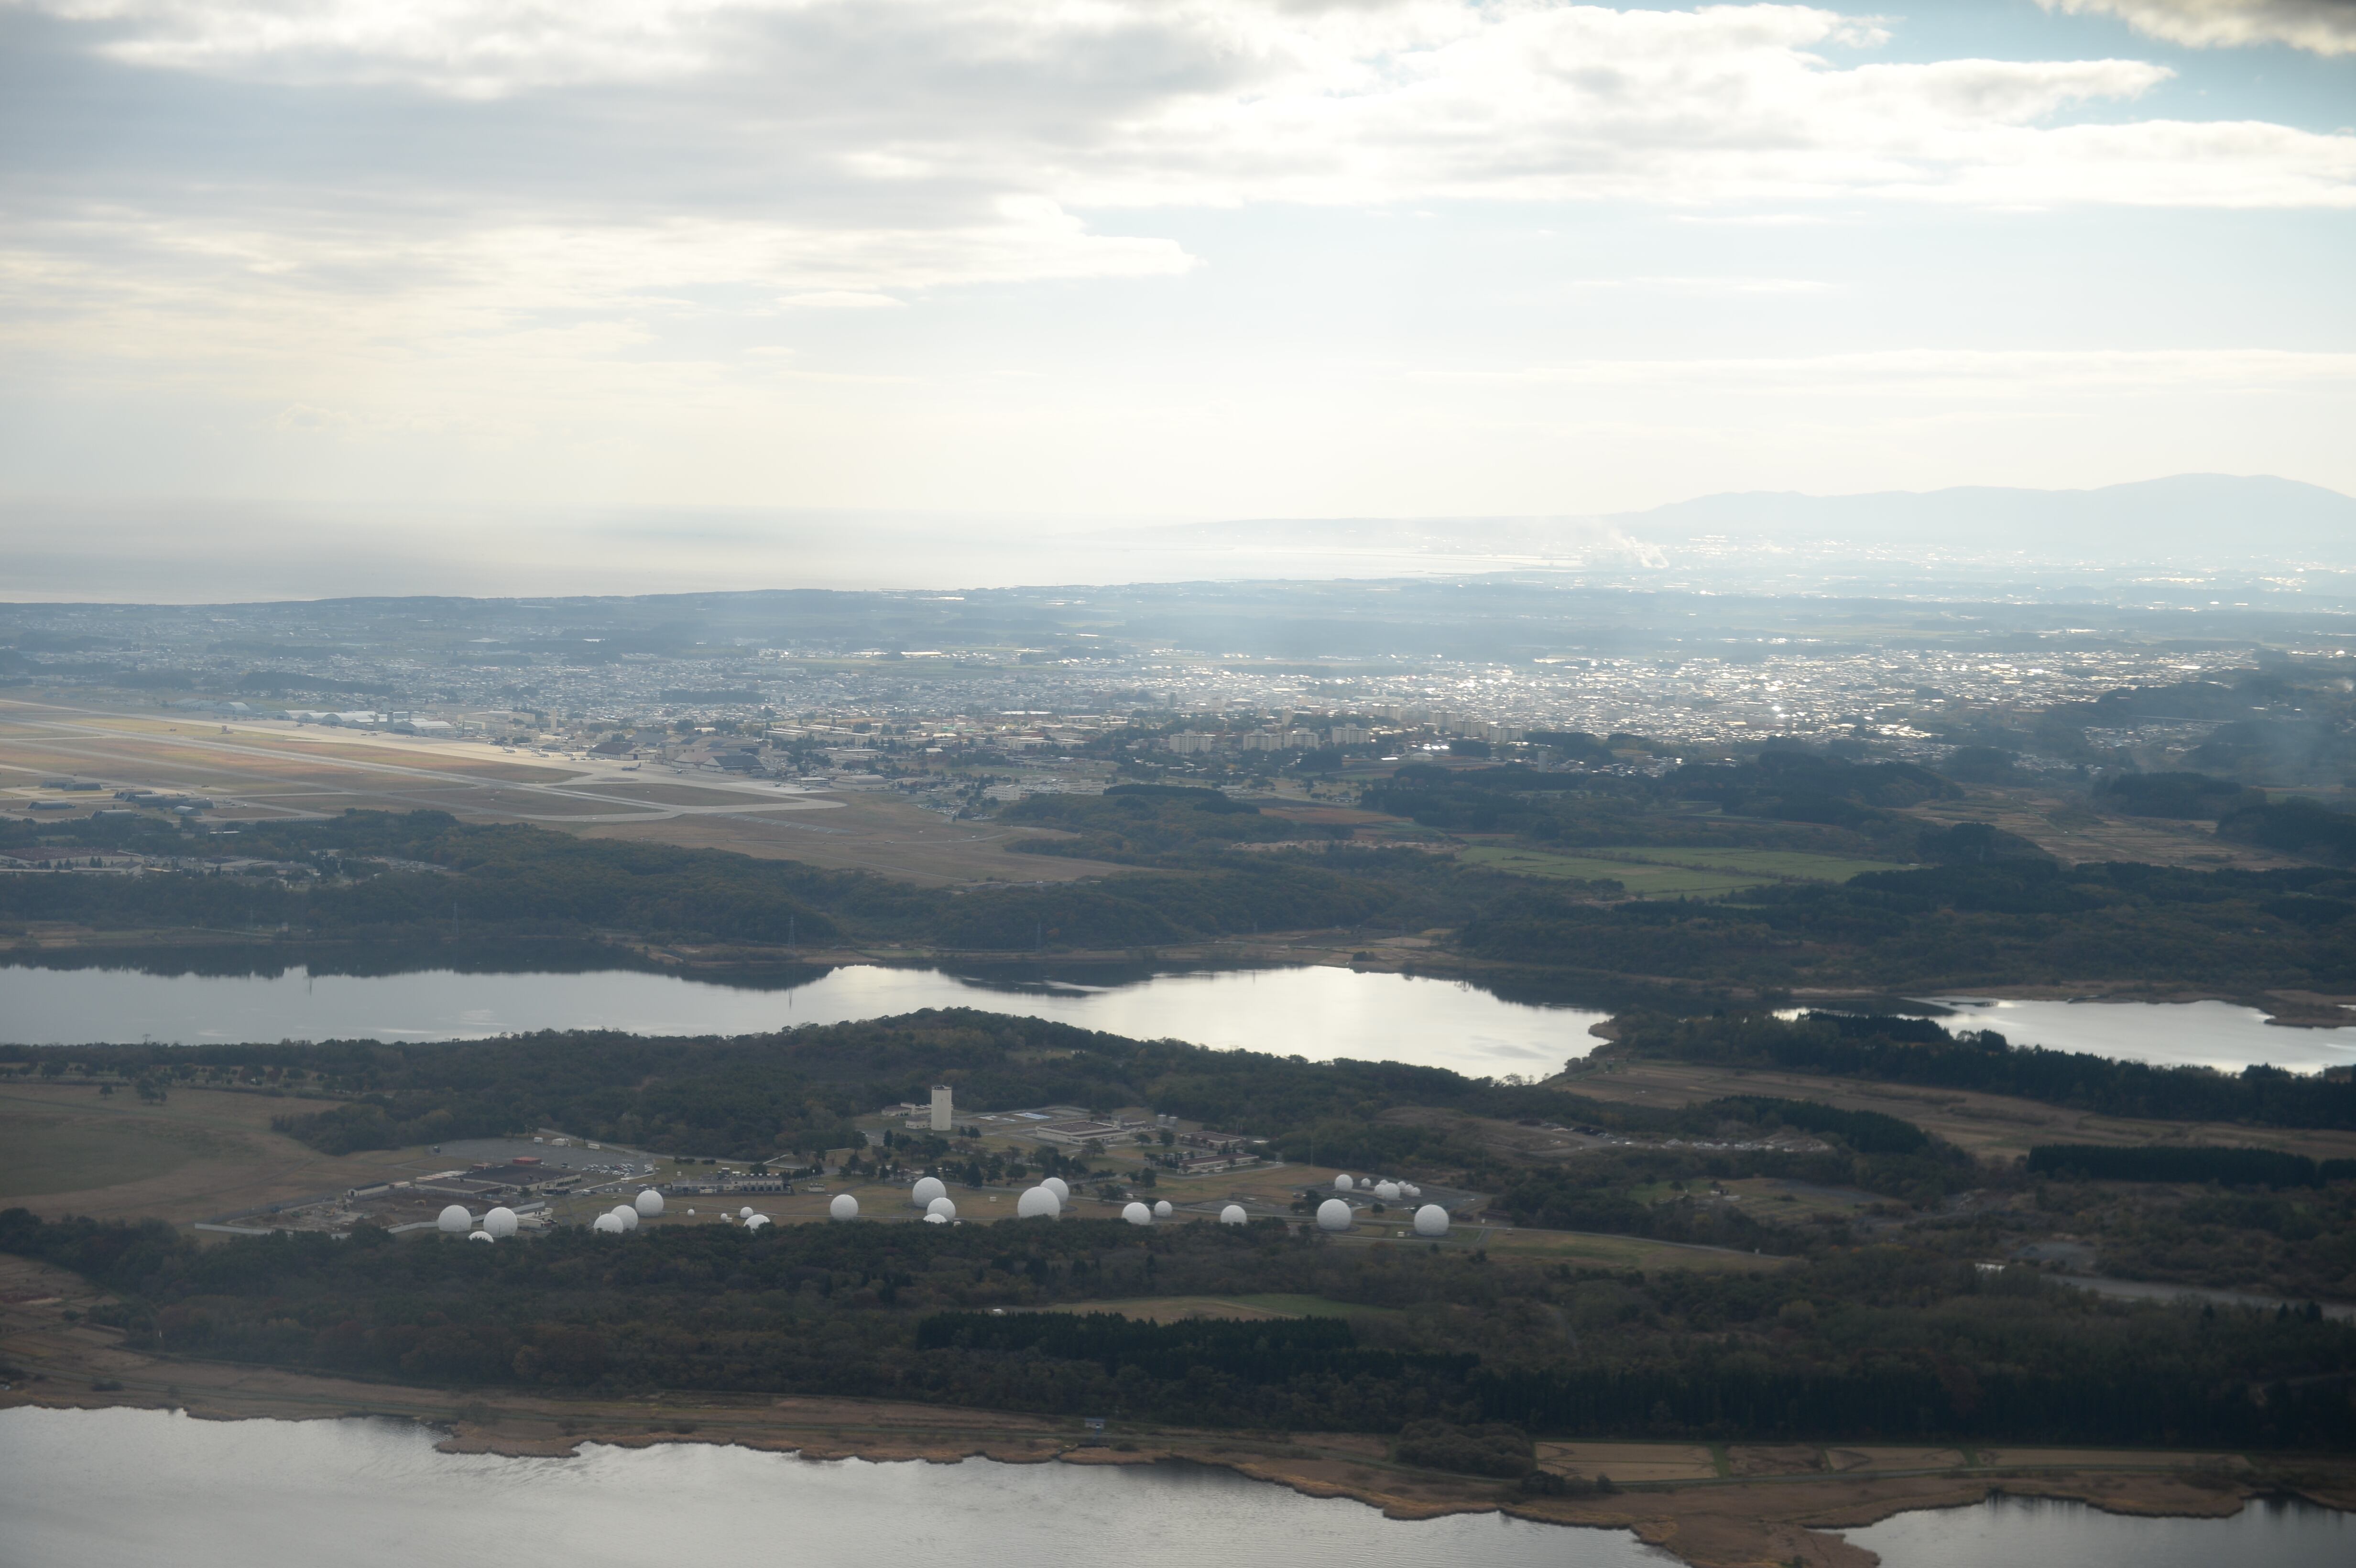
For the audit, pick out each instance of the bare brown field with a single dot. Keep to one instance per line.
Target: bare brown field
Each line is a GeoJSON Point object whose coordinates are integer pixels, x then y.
{"type": "Point", "coordinates": [203, 1152]}
{"type": "Point", "coordinates": [1991, 1126]}
{"type": "Point", "coordinates": [2065, 828]}
{"type": "Point", "coordinates": [1765, 1505]}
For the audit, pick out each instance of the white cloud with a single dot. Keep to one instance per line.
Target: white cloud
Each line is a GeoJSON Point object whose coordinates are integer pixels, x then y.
{"type": "Point", "coordinates": [1956, 373]}
{"type": "Point", "coordinates": [2323, 26]}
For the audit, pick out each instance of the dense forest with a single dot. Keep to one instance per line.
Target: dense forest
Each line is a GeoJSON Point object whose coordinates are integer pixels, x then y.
{"type": "Point", "coordinates": [1880, 1342]}
{"type": "Point", "coordinates": [1985, 915]}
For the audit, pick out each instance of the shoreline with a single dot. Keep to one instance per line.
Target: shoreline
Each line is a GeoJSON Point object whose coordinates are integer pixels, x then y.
{"type": "Point", "coordinates": [1709, 1505]}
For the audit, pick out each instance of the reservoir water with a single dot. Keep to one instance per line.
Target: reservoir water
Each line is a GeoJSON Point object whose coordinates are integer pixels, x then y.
{"type": "Point", "coordinates": [126, 1488]}
{"type": "Point", "coordinates": [1315, 1012]}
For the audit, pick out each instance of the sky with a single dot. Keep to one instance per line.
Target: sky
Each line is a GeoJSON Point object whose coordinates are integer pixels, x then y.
{"type": "Point", "coordinates": [1065, 263]}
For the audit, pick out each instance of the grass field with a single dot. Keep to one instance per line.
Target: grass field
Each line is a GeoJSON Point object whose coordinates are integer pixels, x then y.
{"type": "Point", "coordinates": [1674, 872]}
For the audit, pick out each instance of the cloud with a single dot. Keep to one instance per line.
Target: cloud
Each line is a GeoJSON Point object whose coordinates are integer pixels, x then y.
{"type": "Point", "coordinates": [2321, 26]}
{"type": "Point", "coordinates": [1956, 373]}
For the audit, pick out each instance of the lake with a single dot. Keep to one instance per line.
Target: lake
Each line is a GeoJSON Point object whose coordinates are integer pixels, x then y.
{"type": "Point", "coordinates": [1317, 1012]}
{"type": "Point", "coordinates": [127, 1489]}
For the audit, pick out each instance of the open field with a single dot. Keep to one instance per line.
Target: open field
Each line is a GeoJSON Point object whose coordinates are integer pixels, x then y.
{"type": "Point", "coordinates": [268, 771]}
{"type": "Point", "coordinates": [1993, 1126]}
{"type": "Point", "coordinates": [66, 1150]}
{"type": "Point", "coordinates": [1711, 1506]}
{"type": "Point", "coordinates": [1674, 872]}
{"type": "Point", "coordinates": [2064, 827]}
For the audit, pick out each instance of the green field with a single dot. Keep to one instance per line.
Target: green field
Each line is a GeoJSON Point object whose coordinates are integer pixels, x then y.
{"type": "Point", "coordinates": [1674, 872]}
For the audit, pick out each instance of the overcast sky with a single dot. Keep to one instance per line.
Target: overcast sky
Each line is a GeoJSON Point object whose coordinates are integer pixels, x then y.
{"type": "Point", "coordinates": [1090, 259]}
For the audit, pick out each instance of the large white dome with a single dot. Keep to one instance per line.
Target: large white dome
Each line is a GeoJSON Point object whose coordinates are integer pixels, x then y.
{"type": "Point", "coordinates": [757, 1222]}
{"type": "Point", "coordinates": [456, 1220]}
{"type": "Point", "coordinates": [607, 1224]}
{"type": "Point", "coordinates": [499, 1222]}
{"type": "Point", "coordinates": [1389, 1191]}
{"type": "Point", "coordinates": [1137, 1214]}
{"type": "Point", "coordinates": [649, 1203]}
{"type": "Point", "coordinates": [627, 1215]}
{"type": "Point", "coordinates": [1432, 1219]}
{"type": "Point", "coordinates": [1057, 1184]}
{"type": "Point", "coordinates": [1040, 1201]}
{"type": "Point", "coordinates": [927, 1188]}
{"type": "Point", "coordinates": [1161, 1210]}
{"type": "Point", "coordinates": [843, 1207]}
{"type": "Point", "coordinates": [1342, 1183]}
{"type": "Point", "coordinates": [1332, 1215]}
{"type": "Point", "coordinates": [943, 1207]}
{"type": "Point", "coordinates": [1233, 1214]}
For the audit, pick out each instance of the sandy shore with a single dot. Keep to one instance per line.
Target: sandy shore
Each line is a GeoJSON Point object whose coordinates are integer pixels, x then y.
{"type": "Point", "coordinates": [1714, 1506]}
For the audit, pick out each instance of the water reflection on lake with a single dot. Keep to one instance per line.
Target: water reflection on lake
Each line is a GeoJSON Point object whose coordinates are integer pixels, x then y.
{"type": "Point", "coordinates": [2010, 1530]}
{"type": "Point", "coordinates": [1317, 1012]}
{"type": "Point", "coordinates": [1314, 1012]}
{"type": "Point", "coordinates": [122, 1488]}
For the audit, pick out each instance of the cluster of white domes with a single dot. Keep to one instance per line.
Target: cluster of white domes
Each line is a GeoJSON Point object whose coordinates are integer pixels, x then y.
{"type": "Point", "coordinates": [1385, 1190]}
{"type": "Point", "coordinates": [842, 1206]}
{"type": "Point", "coordinates": [1039, 1202]}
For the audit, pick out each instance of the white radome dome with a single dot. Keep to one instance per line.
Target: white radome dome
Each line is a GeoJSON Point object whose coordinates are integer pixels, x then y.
{"type": "Point", "coordinates": [935, 1217]}
{"type": "Point", "coordinates": [943, 1207]}
{"type": "Point", "coordinates": [480, 1236]}
{"type": "Point", "coordinates": [1342, 1183]}
{"type": "Point", "coordinates": [607, 1223]}
{"type": "Point", "coordinates": [456, 1220]}
{"type": "Point", "coordinates": [627, 1215]}
{"type": "Point", "coordinates": [929, 1187]}
{"type": "Point", "coordinates": [1233, 1214]}
{"type": "Point", "coordinates": [1332, 1215]}
{"type": "Point", "coordinates": [757, 1222]}
{"type": "Point", "coordinates": [1137, 1214]}
{"type": "Point", "coordinates": [499, 1222]}
{"type": "Point", "coordinates": [649, 1203]}
{"type": "Point", "coordinates": [1389, 1191]}
{"type": "Point", "coordinates": [746, 1212]}
{"type": "Point", "coordinates": [1057, 1184]}
{"type": "Point", "coordinates": [842, 1206]}
{"type": "Point", "coordinates": [1432, 1219]}
{"type": "Point", "coordinates": [1161, 1210]}
{"type": "Point", "coordinates": [1037, 1203]}
{"type": "Point", "coordinates": [1411, 1189]}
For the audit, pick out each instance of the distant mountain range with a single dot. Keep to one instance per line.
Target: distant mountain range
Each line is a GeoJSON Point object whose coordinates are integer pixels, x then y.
{"type": "Point", "coordinates": [2186, 519]}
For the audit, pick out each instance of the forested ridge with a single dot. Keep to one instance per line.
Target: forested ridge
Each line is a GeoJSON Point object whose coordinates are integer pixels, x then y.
{"type": "Point", "coordinates": [1881, 1342]}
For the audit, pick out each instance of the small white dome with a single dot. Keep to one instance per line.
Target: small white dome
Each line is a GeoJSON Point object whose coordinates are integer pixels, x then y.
{"type": "Point", "coordinates": [1057, 1184]}
{"type": "Point", "coordinates": [757, 1222]}
{"type": "Point", "coordinates": [1411, 1189]}
{"type": "Point", "coordinates": [456, 1220]}
{"type": "Point", "coordinates": [1037, 1203]}
{"type": "Point", "coordinates": [649, 1203]}
{"type": "Point", "coordinates": [1389, 1191]}
{"type": "Point", "coordinates": [943, 1207]}
{"type": "Point", "coordinates": [1233, 1214]}
{"type": "Point", "coordinates": [842, 1206]}
{"type": "Point", "coordinates": [1137, 1214]}
{"type": "Point", "coordinates": [607, 1223]}
{"type": "Point", "coordinates": [499, 1222]}
{"type": "Point", "coordinates": [927, 1188]}
{"type": "Point", "coordinates": [627, 1215]}
{"type": "Point", "coordinates": [1161, 1210]}
{"type": "Point", "coordinates": [746, 1212]}
{"type": "Point", "coordinates": [480, 1236]}
{"type": "Point", "coordinates": [935, 1217]}
{"type": "Point", "coordinates": [1332, 1215]}
{"type": "Point", "coordinates": [1342, 1183]}
{"type": "Point", "coordinates": [1432, 1219]}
